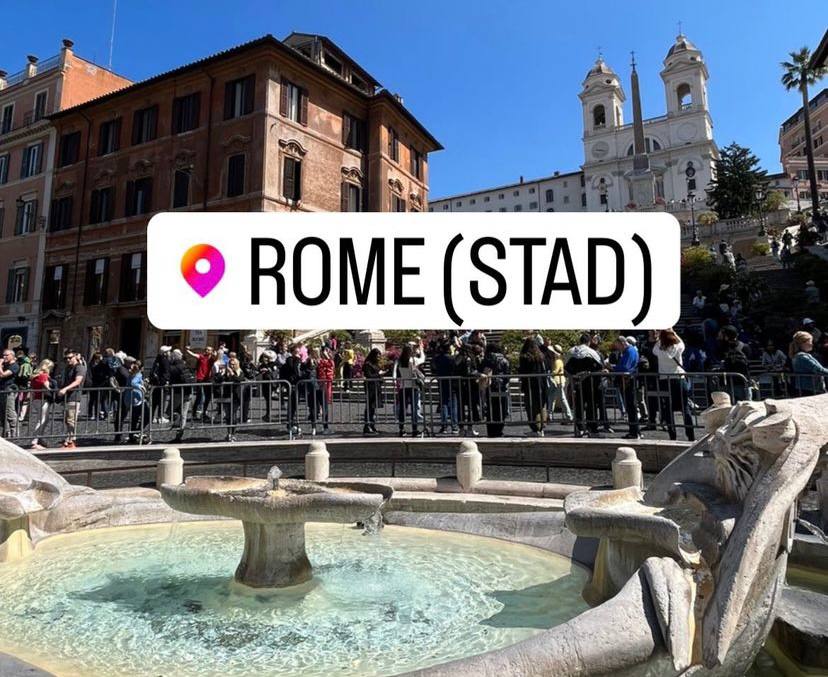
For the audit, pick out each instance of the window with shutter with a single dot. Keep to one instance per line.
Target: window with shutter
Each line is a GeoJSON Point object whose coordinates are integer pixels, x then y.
{"type": "Point", "coordinates": [95, 285]}
{"type": "Point", "coordinates": [181, 188]}
{"type": "Point", "coordinates": [186, 111]}
{"type": "Point", "coordinates": [139, 196]}
{"type": "Point", "coordinates": [10, 286]}
{"type": "Point", "coordinates": [144, 125]}
{"type": "Point", "coordinates": [109, 136]}
{"type": "Point", "coordinates": [393, 145]}
{"type": "Point", "coordinates": [69, 149]}
{"type": "Point", "coordinates": [26, 217]}
{"type": "Point", "coordinates": [4, 168]}
{"type": "Point", "coordinates": [101, 205]}
{"type": "Point", "coordinates": [61, 216]}
{"type": "Point", "coordinates": [40, 105]}
{"type": "Point", "coordinates": [294, 102]}
{"type": "Point", "coordinates": [239, 97]}
{"type": "Point", "coordinates": [353, 133]}
{"type": "Point", "coordinates": [7, 119]}
{"type": "Point", "coordinates": [235, 175]}
{"type": "Point", "coordinates": [32, 159]}
{"type": "Point", "coordinates": [292, 179]}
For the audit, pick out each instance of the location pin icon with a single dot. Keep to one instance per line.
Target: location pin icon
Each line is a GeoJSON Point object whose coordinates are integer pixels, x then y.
{"type": "Point", "coordinates": [202, 267]}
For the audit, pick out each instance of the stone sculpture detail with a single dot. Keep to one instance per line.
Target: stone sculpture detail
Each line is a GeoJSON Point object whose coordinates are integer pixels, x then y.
{"type": "Point", "coordinates": [698, 561]}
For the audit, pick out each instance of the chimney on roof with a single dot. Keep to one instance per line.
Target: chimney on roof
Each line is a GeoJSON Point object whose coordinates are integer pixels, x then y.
{"type": "Point", "coordinates": [66, 51]}
{"type": "Point", "coordinates": [521, 178]}
{"type": "Point", "coordinates": [31, 66]}
{"type": "Point", "coordinates": [3, 75]}
{"type": "Point", "coordinates": [557, 174]}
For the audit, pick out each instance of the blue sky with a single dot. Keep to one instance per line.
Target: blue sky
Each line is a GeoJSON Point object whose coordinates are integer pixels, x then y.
{"type": "Point", "coordinates": [496, 82]}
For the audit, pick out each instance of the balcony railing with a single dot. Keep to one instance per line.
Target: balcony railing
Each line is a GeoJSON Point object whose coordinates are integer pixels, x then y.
{"type": "Point", "coordinates": [41, 67]}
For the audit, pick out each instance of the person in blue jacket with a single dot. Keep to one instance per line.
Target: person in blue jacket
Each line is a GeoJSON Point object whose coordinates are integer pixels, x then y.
{"type": "Point", "coordinates": [627, 368]}
{"type": "Point", "coordinates": [808, 374]}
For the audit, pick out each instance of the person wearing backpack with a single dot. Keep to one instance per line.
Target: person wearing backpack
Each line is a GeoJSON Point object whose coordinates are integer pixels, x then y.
{"type": "Point", "coordinates": [495, 368]}
{"type": "Point", "coordinates": [24, 377]}
{"type": "Point", "coordinates": [585, 389]}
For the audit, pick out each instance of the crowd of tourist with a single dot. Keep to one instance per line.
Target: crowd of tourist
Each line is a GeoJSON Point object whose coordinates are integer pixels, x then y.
{"type": "Point", "coordinates": [648, 378]}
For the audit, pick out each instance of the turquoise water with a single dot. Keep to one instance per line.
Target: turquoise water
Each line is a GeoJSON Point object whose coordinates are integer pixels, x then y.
{"type": "Point", "coordinates": [160, 600]}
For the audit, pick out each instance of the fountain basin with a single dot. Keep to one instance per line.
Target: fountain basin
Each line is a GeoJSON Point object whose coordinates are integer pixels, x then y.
{"type": "Point", "coordinates": [161, 600]}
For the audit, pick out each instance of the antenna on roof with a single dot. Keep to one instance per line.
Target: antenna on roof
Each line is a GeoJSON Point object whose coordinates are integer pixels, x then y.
{"type": "Point", "coordinates": [112, 34]}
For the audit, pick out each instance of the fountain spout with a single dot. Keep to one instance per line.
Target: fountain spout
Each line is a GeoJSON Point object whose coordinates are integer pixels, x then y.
{"type": "Point", "coordinates": [273, 476]}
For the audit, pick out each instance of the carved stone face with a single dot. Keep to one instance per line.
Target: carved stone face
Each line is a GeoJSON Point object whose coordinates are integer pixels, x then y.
{"type": "Point", "coordinates": [752, 436]}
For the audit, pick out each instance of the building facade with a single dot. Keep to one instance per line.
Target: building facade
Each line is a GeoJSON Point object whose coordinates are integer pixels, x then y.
{"type": "Point", "coordinates": [27, 150]}
{"type": "Point", "coordinates": [679, 140]}
{"type": "Point", "coordinates": [270, 125]}
{"type": "Point", "coordinates": [792, 149]}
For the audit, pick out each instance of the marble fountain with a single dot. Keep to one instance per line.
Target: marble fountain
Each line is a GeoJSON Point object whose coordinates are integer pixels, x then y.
{"type": "Point", "coordinates": [687, 578]}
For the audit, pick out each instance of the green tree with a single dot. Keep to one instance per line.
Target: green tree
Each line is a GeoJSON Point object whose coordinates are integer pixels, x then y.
{"type": "Point", "coordinates": [733, 192]}
{"type": "Point", "coordinates": [774, 201]}
{"type": "Point", "coordinates": [799, 75]}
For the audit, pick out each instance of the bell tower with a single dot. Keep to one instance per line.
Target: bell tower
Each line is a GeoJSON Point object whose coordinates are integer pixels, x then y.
{"type": "Point", "coordinates": [602, 99]}
{"type": "Point", "coordinates": [685, 78]}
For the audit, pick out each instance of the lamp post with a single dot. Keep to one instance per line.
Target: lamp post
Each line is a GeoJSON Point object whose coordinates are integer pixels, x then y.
{"type": "Point", "coordinates": [689, 173]}
{"type": "Point", "coordinates": [760, 199]}
{"type": "Point", "coordinates": [795, 184]}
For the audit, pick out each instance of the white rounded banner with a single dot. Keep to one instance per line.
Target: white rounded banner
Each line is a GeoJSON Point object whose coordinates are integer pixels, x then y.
{"type": "Point", "coordinates": [211, 270]}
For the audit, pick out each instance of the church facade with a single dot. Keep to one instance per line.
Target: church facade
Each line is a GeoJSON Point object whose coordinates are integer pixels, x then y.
{"type": "Point", "coordinates": [675, 158]}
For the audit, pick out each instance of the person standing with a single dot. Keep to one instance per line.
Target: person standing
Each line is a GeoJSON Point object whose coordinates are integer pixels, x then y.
{"type": "Point", "coordinates": [134, 402]}
{"type": "Point", "coordinates": [809, 374]}
{"type": "Point", "coordinates": [372, 373]}
{"type": "Point", "coordinates": [159, 379]}
{"type": "Point", "coordinates": [182, 382]}
{"type": "Point", "coordinates": [291, 372]}
{"type": "Point", "coordinates": [557, 386]}
{"type": "Point", "coordinates": [495, 369]}
{"type": "Point", "coordinates": [203, 391]}
{"type": "Point", "coordinates": [699, 302]}
{"type": "Point", "coordinates": [8, 392]}
{"type": "Point", "coordinates": [408, 378]}
{"type": "Point", "coordinates": [626, 369]}
{"type": "Point", "coordinates": [325, 375]}
{"type": "Point", "coordinates": [71, 394]}
{"type": "Point", "coordinates": [443, 367]}
{"type": "Point", "coordinates": [348, 361]}
{"type": "Point", "coordinates": [229, 381]}
{"type": "Point", "coordinates": [43, 391]}
{"type": "Point", "coordinates": [533, 384]}
{"type": "Point", "coordinates": [669, 350]}
{"type": "Point", "coordinates": [122, 379]}
{"type": "Point", "coordinates": [584, 363]}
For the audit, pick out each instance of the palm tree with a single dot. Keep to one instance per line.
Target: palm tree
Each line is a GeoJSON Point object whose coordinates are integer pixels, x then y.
{"type": "Point", "coordinates": [798, 75]}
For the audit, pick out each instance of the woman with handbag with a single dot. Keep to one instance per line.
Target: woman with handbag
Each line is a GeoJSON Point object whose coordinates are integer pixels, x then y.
{"type": "Point", "coordinates": [409, 382]}
{"type": "Point", "coordinates": [673, 384]}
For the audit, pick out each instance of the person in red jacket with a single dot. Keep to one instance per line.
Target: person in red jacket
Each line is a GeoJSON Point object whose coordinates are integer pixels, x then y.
{"type": "Point", "coordinates": [203, 376]}
{"type": "Point", "coordinates": [325, 375]}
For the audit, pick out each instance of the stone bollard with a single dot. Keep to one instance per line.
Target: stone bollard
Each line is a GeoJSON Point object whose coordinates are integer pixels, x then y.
{"type": "Point", "coordinates": [170, 468]}
{"type": "Point", "coordinates": [317, 462]}
{"type": "Point", "coordinates": [626, 469]}
{"type": "Point", "coordinates": [469, 462]}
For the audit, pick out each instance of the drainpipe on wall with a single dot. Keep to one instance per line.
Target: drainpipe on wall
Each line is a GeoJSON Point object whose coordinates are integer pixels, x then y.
{"type": "Point", "coordinates": [205, 184]}
{"type": "Point", "coordinates": [82, 208]}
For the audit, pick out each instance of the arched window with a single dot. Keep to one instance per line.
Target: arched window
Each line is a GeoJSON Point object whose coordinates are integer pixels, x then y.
{"type": "Point", "coordinates": [649, 143]}
{"type": "Point", "coordinates": [599, 117]}
{"type": "Point", "coordinates": [685, 96]}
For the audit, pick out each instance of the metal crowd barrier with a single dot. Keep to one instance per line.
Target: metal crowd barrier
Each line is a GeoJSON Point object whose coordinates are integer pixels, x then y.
{"type": "Point", "coordinates": [589, 404]}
